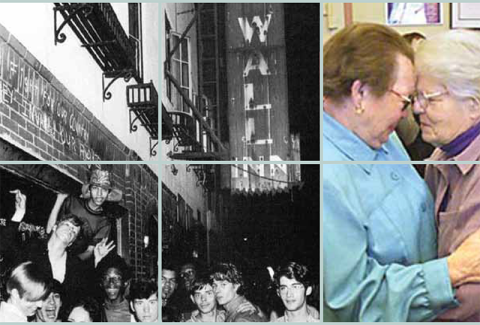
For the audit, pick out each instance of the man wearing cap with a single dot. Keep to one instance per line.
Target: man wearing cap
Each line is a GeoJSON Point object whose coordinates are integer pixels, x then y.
{"type": "Point", "coordinates": [88, 207]}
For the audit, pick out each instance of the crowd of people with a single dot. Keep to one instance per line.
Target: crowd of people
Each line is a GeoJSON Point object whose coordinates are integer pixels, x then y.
{"type": "Point", "coordinates": [401, 245]}
{"type": "Point", "coordinates": [72, 273]}
{"type": "Point", "coordinates": [220, 294]}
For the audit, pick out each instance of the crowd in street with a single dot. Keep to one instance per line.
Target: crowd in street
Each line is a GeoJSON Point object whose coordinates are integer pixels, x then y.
{"type": "Point", "coordinates": [71, 272]}
{"type": "Point", "coordinates": [220, 294]}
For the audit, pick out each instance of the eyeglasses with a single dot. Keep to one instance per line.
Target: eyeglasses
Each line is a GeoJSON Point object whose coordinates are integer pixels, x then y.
{"type": "Point", "coordinates": [407, 101]}
{"type": "Point", "coordinates": [425, 99]}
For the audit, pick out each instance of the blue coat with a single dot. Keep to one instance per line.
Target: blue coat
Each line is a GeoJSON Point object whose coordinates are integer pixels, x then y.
{"type": "Point", "coordinates": [380, 242]}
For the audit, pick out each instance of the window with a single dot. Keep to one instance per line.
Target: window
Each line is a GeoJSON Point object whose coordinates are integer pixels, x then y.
{"type": "Point", "coordinates": [180, 68]}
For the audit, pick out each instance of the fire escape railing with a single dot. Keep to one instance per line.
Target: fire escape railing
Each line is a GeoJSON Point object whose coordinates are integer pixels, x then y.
{"type": "Point", "coordinates": [142, 100]}
{"type": "Point", "coordinates": [97, 27]}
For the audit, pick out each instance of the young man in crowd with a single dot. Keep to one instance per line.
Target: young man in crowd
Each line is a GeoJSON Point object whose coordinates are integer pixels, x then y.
{"type": "Point", "coordinates": [144, 301]}
{"type": "Point", "coordinates": [114, 276]}
{"type": "Point", "coordinates": [228, 286]}
{"type": "Point", "coordinates": [27, 288]}
{"type": "Point", "coordinates": [52, 254]}
{"type": "Point", "coordinates": [89, 208]}
{"type": "Point", "coordinates": [293, 286]}
{"type": "Point", "coordinates": [50, 310]}
{"type": "Point", "coordinates": [181, 299]}
{"type": "Point", "coordinates": [203, 297]}
{"type": "Point", "coordinates": [170, 312]}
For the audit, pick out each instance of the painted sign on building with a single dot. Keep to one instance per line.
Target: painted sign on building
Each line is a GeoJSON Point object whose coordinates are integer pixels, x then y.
{"type": "Point", "coordinates": [39, 115]}
{"type": "Point", "coordinates": [258, 94]}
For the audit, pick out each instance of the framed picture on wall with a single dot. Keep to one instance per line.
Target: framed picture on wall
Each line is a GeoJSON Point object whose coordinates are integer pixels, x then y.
{"type": "Point", "coordinates": [413, 14]}
{"type": "Point", "coordinates": [465, 15]}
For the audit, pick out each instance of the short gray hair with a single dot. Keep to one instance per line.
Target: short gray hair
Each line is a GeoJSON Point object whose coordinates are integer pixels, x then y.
{"type": "Point", "coordinates": [454, 58]}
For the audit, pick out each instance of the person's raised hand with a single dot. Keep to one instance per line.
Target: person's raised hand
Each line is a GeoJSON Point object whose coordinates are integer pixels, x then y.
{"type": "Point", "coordinates": [20, 200]}
{"type": "Point", "coordinates": [102, 249]}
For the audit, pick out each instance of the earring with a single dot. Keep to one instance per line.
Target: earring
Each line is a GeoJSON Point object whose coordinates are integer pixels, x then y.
{"type": "Point", "coordinates": [359, 109]}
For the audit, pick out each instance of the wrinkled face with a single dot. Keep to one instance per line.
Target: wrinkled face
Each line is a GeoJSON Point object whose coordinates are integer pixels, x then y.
{"type": "Point", "coordinates": [169, 283]}
{"type": "Point", "coordinates": [293, 293]}
{"type": "Point", "coordinates": [382, 114]}
{"type": "Point", "coordinates": [205, 299]}
{"type": "Point", "coordinates": [98, 195]}
{"type": "Point", "coordinates": [112, 283]}
{"type": "Point", "coordinates": [444, 117]}
{"type": "Point", "coordinates": [79, 315]}
{"type": "Point", "coordinates": [67, 232]}
{"type": "Point", "coordinates": [146, 310]}
{"type": "Point", "coordinates": [51, 307]}
{"type": "Point", "coordinates": [187, 273]}
{"type": "Point", "coordinates": [225, 291]}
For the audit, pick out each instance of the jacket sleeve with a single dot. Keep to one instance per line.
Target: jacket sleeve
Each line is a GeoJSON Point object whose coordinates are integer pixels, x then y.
{"type": "Point", "coordinates": [358, 288]}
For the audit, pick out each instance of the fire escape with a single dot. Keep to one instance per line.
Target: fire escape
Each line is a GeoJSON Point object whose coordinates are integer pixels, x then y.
{"type": "Point", "coordinates": [197, 129]}
{"type": "Point", "coordinates": [117, 54]}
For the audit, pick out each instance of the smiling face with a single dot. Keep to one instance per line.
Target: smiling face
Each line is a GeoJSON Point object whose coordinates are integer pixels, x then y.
{"type": "Point", "coordinates": [51, 307]}
{"type": "Point", "coordinates": [382, 114]}
{"type": "Point", "coordinates": [445, 117]}
{"type": "Point", "coordinates": [169, 283]}
{"type": "Point", "coordinates": [146, 310]}
{"type": "Point", "coordinates": [112, 283]}
{"type": "Point", "coordinates": [293, 293]}
{"type": "Point", "coordinates": [225, 291]}
{"type": "Point", "coordinates": [204, 298]}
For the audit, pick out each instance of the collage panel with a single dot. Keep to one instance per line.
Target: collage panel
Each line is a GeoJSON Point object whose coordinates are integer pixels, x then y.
{"type": "Point", "coordinates": [239, 243]}
{"type": "Point", "coordinates": [78, 243]}
{"type": "Point", "coordinates": [241, 81]}
{"type": "Point", "coordinates": [400, 84]}
{"type": "Point", "coordinates": [79, 81]}
{"type": "Point", "coordinates": [400, 243]}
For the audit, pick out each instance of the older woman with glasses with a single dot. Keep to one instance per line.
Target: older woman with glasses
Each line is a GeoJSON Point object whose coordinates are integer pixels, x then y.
{"type": "Point", "coordinates": [380, 240]}
{"type": "Point", "coordinates": [448, 102]}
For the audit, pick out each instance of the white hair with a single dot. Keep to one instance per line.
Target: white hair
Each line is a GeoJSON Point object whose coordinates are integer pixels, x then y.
{"type": "Point", "coordinates": [453, 58]}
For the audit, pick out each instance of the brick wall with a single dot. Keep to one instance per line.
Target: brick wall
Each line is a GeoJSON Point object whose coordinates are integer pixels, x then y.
{"type": "Point", "coordinates": [39, 114]}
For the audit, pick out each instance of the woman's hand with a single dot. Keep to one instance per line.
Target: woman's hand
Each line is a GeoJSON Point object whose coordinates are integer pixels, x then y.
{"type": "Point", "coordinates": [464, 263]}
{"type": "Point", "coordinates": [102, 249]}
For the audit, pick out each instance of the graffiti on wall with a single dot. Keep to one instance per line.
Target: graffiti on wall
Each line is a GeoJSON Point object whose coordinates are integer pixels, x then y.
{"type": "Point", "coordinates": [33, 97]}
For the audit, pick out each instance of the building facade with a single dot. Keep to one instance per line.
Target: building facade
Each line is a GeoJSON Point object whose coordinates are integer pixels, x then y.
{"type": "Point", "coordinates": [61, 99]}
{"type": "Point", "coordinates": [224, 97]}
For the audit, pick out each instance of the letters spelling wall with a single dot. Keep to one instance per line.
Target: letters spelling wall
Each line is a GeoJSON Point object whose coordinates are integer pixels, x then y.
{"type": "Point", "coordinates": [257, 93]}
{"type": "Point", "coordinates": [40, 116]}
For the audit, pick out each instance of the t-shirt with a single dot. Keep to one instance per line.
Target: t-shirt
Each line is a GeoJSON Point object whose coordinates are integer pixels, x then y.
{"type": "Point", "coordinates": [96, 225]}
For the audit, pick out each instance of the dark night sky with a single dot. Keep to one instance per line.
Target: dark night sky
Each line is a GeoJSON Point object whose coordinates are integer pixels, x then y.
{"type": "Point", "coordinates": [303, 56]}
{"type": "Point", "coordinates": [279, 227]}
